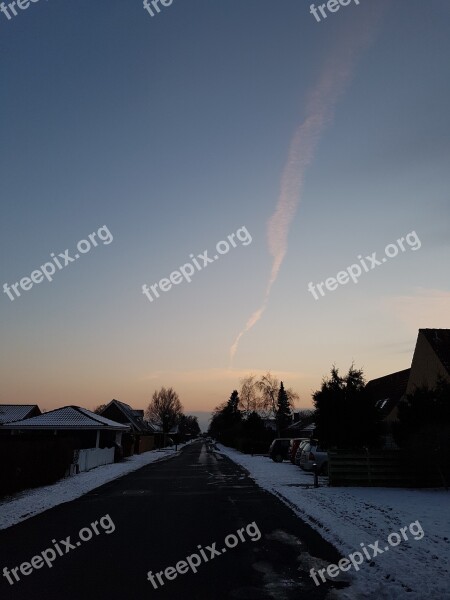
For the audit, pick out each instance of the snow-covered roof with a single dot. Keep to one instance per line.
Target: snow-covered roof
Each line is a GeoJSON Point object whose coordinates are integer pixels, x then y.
{"type": "Point", "coordinates": [15, 412]}
{"type": "Point", "coordinates": [67, 417]}
{"type": "Point", "coordinates": [159, 429]}
{"type": "Point", "coordinates": [132, 416]}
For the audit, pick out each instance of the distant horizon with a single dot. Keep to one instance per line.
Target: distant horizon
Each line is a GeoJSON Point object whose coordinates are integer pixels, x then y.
{"type": "Point", "coordinates": [205, 415]}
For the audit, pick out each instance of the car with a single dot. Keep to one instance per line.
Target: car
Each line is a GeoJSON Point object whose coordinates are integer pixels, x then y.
{"type": "Point", "coordinates": [300, 450]}
{"type": "Point", "coordinates": [295, 442]}
{"type": "Point", "coordinates": [314, 454]}
{"type": "Point", "coordinates": [279, 449]}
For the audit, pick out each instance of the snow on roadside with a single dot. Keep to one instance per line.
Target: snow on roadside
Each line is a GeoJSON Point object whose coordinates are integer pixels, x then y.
{"type": "Point", "coordinates": [347, 517]}
{"type": "Point", "coordinates": [31, 502]}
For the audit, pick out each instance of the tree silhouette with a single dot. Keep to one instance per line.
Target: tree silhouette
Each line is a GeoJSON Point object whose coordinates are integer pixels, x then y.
{"type": "Point", "coordinates": [226, 421]}
{"type": "Point", "coordinates": [345, 416]}
{"type": "Point", "coordinates": [165, 409]}
{"type": "Point", "coordinates": [283, 415]}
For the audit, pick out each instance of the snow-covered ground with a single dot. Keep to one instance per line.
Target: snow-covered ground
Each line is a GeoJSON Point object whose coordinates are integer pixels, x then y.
{"type": "Point", "coordinates": [31, 502]}
{"type": "Point", "coordinates": [417, 569]}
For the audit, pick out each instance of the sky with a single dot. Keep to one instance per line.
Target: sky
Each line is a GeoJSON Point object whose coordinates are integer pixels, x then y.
{"type": "Point", "coordinates": [313, 142]}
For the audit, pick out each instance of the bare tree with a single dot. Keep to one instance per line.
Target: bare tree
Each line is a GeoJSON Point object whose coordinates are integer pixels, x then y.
{"type": "Point", "coordinates": [268, 385]}
{"type": "Point", "coordinates": [248, 395]}
{"type": "Point", "coordinates": [292, 397]}
{"type": "Point", "coordinates": [99, 408]}
{"type": "Point", "coordinates": [165, 409]}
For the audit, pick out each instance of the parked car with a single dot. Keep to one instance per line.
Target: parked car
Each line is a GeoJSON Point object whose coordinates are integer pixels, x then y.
{"type": "Point", "coordinates": [279, 449]}
{"type": "Point", "coordinates": [313, 453]}
{"type": "Point", "coordinates": [295, 442]}
{"type": "Point", "coordinates": [300, 450]}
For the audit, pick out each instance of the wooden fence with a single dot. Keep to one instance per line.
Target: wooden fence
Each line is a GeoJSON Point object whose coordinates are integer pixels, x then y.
{"type": "Point", "coordinates": [387, 468]}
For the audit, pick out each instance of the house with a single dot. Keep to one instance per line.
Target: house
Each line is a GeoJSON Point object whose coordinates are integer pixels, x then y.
{"type": "Point", "coordinates": [270, 423]}
{"type": "Point", "coordinates": [91, 430]}
{"type": "Point", "coordinates": [44, 448]}
{"type": "Point", "coordinates": [165, 439]}
{"type": "Point", "coordinates": [430, 362]}
{"type": "Point", "coordinates": [17, 412]}
{"type": "Point", "coordinates": [387, 392]}
{"type": "Point", "coordinates": [141, 435]}
{"type": "Point", "coordinates": [302, 426]}
{"type": "Point", "coordinates": [431, 359]}
{"type": "Point", "coordinates": [300, 430]}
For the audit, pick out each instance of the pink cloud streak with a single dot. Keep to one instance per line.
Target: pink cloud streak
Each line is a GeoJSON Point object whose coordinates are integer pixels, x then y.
{"type": "Point", "coordinates": [320, 107]}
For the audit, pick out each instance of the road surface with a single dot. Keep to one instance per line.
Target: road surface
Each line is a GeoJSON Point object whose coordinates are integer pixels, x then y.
{"type": "Point", "coordinates": [154, 519]}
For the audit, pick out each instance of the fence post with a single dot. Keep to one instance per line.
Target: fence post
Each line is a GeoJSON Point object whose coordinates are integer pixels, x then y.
{"type": "Point", "coordinates": [316, 478]}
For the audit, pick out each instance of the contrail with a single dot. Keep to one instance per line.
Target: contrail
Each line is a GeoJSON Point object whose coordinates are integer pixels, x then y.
{"type": "Point", "coordinates": [320, 105]}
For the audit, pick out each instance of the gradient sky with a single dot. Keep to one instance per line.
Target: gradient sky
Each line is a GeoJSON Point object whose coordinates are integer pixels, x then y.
{"type": "Point", "coordinates": [175, 131]}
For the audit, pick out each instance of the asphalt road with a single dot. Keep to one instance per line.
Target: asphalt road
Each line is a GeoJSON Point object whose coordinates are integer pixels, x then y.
{"type": "Point", "coordinates": [160, 515]}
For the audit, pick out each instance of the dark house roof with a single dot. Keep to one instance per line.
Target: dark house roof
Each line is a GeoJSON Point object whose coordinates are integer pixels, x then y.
{"type": "Point", "coordinates": [439, 340]}
{"type": "Point", "coordinates": [123, 413]}
{"type": "Point", "coordinates": [302, 431]}
{"type": "Point", "coordinates": [17, 412]}
{"type": "Point", "coordinates": [68, 418]}
{"type": "Point", "coordinates": [388, 390]}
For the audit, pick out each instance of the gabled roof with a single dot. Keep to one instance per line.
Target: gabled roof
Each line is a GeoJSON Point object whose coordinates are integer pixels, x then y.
{"type": "Point", "coordinates": [132, 416]}
{"type": "Point", "coordinates": [439, 340]}
{"type": "Point", "coordinates": [388, 390]}
{"type": "Point", "coordinates": [298, 426]}
{"type": "Point", "coordinates": [158, 429]}
{"type": "Point", "coordinates": [16, 412]}
{"type": "Point", "coordinates": [67, 417]}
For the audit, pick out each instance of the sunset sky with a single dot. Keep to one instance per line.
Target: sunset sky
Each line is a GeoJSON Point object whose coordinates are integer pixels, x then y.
{"type": "Point", "coordinates": [325, 141]}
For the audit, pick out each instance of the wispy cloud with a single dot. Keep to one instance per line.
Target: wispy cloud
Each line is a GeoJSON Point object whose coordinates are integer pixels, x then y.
{"type": "Point", "coordinates": [320, 106]}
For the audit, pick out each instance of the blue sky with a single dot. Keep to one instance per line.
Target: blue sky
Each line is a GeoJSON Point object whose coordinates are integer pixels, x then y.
{"type": "Point", "coordinates": [174, 131]}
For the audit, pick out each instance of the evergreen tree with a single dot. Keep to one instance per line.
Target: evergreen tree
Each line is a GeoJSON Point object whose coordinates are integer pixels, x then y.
{"type": "Point", "coordinates": [283, 413]}
{"type": "Point", "coordinates": [226, 422]}
{"type": "Point", "coordinates": [346, 416]}
{"type": "Point", "coordinates": [256, 438]}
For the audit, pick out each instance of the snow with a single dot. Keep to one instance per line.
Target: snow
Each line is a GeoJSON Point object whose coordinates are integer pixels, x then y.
{"type": "Point", "coordinates": [348, 517]}
{"type": "Point", "coordinates": [31, 502]}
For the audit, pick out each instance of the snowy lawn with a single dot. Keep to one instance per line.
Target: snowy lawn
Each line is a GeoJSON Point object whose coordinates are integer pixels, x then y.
{"type": "Point", "coordinates": [28, 503]}
{"type": "Point", "coordinates": [416, 569]}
